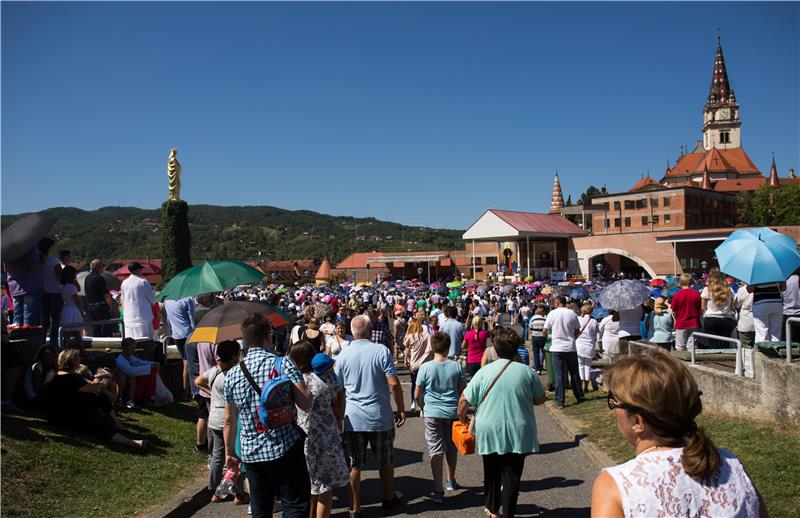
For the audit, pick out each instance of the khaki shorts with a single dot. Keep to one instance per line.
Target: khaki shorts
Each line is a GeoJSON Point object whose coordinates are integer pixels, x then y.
{"type": "Point", "coordinates": [355, 448]}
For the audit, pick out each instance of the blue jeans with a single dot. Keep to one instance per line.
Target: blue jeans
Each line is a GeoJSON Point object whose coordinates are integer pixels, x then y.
{"type": "Point", "coordinates": [52, 304]}
{"type": "Point", "coordinates": [524, 325]}
{"type": "Point", "coordinates": [413, 385]}
{"type": "Point", "coordinates": [286, 477]}
{"type": "Point", "coordinates": [28, 308]}
{"type": "Point", "coordinates": [570, 361]}
{"type": "Point", "coordinates": [537, 348]}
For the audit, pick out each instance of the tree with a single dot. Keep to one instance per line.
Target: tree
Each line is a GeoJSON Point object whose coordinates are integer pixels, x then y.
{"type": "Point", "coordinates": [770, 206]}
{"type": "Point", "coordinates": [176, 241]}
{"type": "Point", "coordinates": [586, 197]}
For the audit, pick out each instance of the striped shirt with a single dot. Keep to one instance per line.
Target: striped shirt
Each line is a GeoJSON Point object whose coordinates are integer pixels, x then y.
{"type": "Point", "coordinates": [537, 326]}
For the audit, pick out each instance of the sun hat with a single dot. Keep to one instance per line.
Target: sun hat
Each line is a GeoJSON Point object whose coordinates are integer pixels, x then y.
{"type": "Point", "coordinates": [321, 362]}
{"type": "Point", "coordinates": [660, 305]}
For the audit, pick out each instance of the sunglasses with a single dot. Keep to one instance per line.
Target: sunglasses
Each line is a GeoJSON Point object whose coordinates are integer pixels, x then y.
{"type": "Point", "coordinates": [612, 404]}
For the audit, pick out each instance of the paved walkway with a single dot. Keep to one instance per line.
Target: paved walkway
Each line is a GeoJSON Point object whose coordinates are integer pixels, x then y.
{"type": "Point", "coordinates": [556, 482]}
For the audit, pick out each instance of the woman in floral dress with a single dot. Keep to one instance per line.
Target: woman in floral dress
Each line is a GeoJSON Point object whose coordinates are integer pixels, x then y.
{"type": "Point", "coordinates": [327, 467]}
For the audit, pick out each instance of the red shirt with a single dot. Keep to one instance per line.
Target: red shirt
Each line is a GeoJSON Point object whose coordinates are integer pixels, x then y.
{"type": "Point", "coordinates": [686, 308]}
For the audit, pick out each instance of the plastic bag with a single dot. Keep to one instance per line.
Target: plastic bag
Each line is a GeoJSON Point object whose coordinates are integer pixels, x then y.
{"type": "Point", "coordinates": [162, 396]}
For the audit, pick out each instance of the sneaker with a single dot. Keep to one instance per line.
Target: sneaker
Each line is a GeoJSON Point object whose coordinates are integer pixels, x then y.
{"type": "Point", "coordinates": [249, 510]}
{"type": "Point", "coordinates": [130, 404]}
{"type": "Point", "coordinates": [437, 497]}
{"type": "Point", "coordinates": [452, 486]}
{"type": "Point", "coordinates": [413, 406]}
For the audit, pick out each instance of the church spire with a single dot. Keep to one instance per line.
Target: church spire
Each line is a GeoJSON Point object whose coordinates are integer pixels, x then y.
{"type": "Point", "coordinates": [720, 93]}
{"type": "Point", "coordinates": [706, 179]}
{"type": "Point", "coordinates": [557, 199]}
{"type": "Point", "coordinates": [721, 123]}
{"type": "Point", "coordinates": [773, 175]}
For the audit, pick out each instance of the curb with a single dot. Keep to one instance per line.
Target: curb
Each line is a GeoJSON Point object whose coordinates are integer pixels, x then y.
{"type": "Point", "coordinates": [185, 503]}
{"type": "Point", "coordinates": [598, 457]}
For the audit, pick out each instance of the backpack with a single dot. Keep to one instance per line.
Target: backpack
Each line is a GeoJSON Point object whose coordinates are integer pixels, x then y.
{"type": "Point", "coordinates": [276, 402]}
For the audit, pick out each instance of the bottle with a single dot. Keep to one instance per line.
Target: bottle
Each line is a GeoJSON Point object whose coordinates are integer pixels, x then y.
{"type": "Point", "coordinates": [225, 487]}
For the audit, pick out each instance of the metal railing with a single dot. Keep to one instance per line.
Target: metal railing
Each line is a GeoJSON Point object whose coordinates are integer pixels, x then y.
{"type": "Point", "coordinates": [739, 370]}
{"type": "Point", "coordinates": [788, 331]}
{"type": "Point", "coordinates": [81, 325]}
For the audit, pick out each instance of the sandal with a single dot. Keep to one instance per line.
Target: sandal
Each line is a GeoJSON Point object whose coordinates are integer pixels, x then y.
{"type": "Point", "coordinates": [242, 499]}
{"type": "Point", "coordinates": [489, 513]}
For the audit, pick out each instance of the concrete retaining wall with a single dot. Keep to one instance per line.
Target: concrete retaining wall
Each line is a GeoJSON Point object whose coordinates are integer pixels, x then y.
{"type": "Point", "coordinates": [772, 395]}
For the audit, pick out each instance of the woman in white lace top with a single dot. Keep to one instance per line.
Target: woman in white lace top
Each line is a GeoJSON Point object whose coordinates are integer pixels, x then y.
{"type": "Point", "coordinates": [677, 471]}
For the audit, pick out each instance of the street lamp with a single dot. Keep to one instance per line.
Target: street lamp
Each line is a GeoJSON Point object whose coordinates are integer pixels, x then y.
{"type": "Point", "coordinates": [419, 272]}
{"type": "Point", "coordinates": [599, 268]}
{"type": "Point", "coordinates": [704, 265]}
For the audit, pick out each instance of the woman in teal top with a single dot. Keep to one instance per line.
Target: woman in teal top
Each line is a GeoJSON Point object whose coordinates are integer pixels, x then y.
{"type": "Point", "coordinates": [505, 430]}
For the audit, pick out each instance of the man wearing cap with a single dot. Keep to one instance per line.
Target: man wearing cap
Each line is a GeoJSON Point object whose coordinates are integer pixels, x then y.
{"type": "Point", "coordinates": [137, 303]}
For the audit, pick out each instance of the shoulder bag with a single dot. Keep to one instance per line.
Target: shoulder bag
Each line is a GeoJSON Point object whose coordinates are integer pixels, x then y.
{"type": "Point", "coordinates": [474, 418]}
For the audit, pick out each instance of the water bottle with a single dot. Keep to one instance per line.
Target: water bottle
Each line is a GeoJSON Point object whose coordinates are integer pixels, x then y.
{"type": "Point", "coordinates": [225, 487]}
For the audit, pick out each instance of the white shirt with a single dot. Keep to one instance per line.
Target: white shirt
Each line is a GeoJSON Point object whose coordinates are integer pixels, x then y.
{"type": "Point", "coordinates": [52, 280]}
{"type": "Point", "coordinates": [744, 303]}
{"type": "Point", "coordinates": [791, 297]}
{"type": "Point", "coordinates": [609, 335]}
{"type": "Point", "coordinates": [629, 322]}
{"type": "Point", "coordinates": [137, 300]}
{"type": "Point", "coordinates": [562, 323]}
{"type": "Point", "coordinates": [712, 309]}
{"type": "Point", "coordinates": [587, 340]}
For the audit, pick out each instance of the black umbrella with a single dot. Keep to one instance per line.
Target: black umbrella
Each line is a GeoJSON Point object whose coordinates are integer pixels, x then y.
{"type": "Point", "coordinates": [24, 233]}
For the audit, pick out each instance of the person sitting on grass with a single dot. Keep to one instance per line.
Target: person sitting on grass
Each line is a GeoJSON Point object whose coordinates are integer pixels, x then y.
{"type": "Point", "coordinates": [39, 374]}
{"type": "Point", "coordinates": [677, 470]}
{"type": "Point", "coordinates": [212, 381]}
{"type": "Point", "coordinates": [75, 403]}
{"type": "Point", "coordinates": [136, 377]}
{"type": "Point", "coordinates": [440, 383]}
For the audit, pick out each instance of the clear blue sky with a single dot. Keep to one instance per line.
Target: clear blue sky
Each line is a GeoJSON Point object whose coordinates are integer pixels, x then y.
{"type": "Point", "coordinates": [425, 114]}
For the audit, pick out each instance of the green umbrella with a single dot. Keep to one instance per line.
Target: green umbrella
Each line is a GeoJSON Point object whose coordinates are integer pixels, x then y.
{"type": "Point", "coordinates": [454, 284]}
{"type": "Point", "coordinates": [211, 276]}
{"type": "Point", "coordinates": [454, 294]}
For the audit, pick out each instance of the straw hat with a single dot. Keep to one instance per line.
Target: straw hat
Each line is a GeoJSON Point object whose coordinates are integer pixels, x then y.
{"type": "Point", "coordinates": [660, 305]}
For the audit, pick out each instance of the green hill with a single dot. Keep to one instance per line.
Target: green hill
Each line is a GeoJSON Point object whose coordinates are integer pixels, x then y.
{"type": "Point", "coordinates": [238, 233]}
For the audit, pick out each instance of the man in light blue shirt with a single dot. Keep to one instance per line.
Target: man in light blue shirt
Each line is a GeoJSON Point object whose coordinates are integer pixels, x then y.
{"type": "Point", "coordinates": [368, 375]}
{"type": "Point", "coordinates": [455, 330]}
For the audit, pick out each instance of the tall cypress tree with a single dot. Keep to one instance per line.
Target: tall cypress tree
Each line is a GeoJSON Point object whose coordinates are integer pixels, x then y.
{"type": "Point", "coordinates": [176, 241]}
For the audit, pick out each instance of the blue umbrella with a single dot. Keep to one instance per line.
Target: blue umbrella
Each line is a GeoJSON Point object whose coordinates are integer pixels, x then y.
{"type": "Point", "coordinates": [758, 256]}
{"type": "Point", "coordinates": [599, 313]}
{"type": "Point", "coordinates": [624, 294]}
{"type": "Point", "coordinates": [673, 291]}
{"type": "Point", "coordinates": [656, 293]}
{"type": "Point", "coordinates": [579, 294]}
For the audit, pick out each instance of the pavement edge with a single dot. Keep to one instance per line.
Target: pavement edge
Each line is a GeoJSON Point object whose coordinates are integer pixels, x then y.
{"type": "Point", "coordinates": [185, 503]}
{"type": "Point", "coordinates": [598, 457]}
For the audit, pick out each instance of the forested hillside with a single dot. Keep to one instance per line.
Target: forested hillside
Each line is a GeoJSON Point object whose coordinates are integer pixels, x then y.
{"type": "Point", "coordinates": [238, 233]}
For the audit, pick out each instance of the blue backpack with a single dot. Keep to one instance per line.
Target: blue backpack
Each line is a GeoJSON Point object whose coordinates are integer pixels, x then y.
{"type": "Point", "coordinates": [276, 401]}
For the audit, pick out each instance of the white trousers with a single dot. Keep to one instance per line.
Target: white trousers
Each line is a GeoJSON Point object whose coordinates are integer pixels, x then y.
{"type": "Point", "coordinates": [584, 367]}
{"type": "Point", "coordinates": [767, 319]}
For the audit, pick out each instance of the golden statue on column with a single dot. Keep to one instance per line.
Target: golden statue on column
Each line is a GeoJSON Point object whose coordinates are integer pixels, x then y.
{"type": "Point", "coordinates": [174, 175]}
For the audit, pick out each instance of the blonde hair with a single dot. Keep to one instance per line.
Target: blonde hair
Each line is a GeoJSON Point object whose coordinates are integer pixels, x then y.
{"type": "Point", "coordinates": [719, 290]}
{"type": "Point", "coordinates": [662, 390]}
{"type": "Point", "coordinates": [476, 321]}
{"type": "Point", "coordinates": [414, 327]}
{"type": "Point", "coordinates": [686, 279]}
{"type": "Point", "coordinates": [69, 360]}
{"type": "Point", "coordinates": [586, 309]}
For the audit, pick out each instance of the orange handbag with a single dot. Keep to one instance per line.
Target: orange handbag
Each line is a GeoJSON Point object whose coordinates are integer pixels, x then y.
{"type": "Point", "coordinates": [464, 441]}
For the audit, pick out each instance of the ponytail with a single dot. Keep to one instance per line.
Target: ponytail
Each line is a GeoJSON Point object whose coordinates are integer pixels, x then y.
{"type": "Point", "coordinates": [700, 456]}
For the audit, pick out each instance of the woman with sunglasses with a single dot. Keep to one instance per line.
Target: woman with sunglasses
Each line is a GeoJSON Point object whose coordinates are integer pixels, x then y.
{"type": "Point", "coordinates": [677, 471]}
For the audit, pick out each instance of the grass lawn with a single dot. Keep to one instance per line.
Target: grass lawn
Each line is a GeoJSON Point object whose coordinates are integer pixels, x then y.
{"type": "Point", "coordinates": [768, 450]}
{"type": "Point", "coordinates": [52, 472]}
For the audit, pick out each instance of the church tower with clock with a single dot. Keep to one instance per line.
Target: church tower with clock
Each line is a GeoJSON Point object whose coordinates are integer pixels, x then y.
{"type": "Point", "coordinates": [721, 123]}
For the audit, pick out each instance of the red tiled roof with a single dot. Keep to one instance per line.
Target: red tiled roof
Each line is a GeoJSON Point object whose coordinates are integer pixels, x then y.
{"type": "Point", "coordinates": [324, 272]}
{"type": "Point", "coordinates": [716, 160]}
{"type": "Point", "coordinates": [647, 181]}
{"type": "Point", "coordinates": [359, 260]}
{"type": "Point", "coordinates": [747, 184]}
{"type": "Point", "coordinates": [539, 223]}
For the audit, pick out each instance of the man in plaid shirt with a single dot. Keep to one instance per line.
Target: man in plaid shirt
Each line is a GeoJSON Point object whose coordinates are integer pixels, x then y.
{"type": "Point", "coordinates": [274, 459]}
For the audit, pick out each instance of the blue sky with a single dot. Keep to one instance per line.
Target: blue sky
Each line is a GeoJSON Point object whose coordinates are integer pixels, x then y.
{"type": "Point", "coordinates": [420, 113]}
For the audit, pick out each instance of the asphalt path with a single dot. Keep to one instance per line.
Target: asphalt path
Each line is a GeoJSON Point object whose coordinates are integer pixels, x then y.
{"type": "Point", "coordinates": [557, 481]}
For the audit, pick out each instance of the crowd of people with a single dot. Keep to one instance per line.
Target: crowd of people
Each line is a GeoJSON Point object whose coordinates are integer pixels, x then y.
{"type": "Point", "coordinates": [336, 370]}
